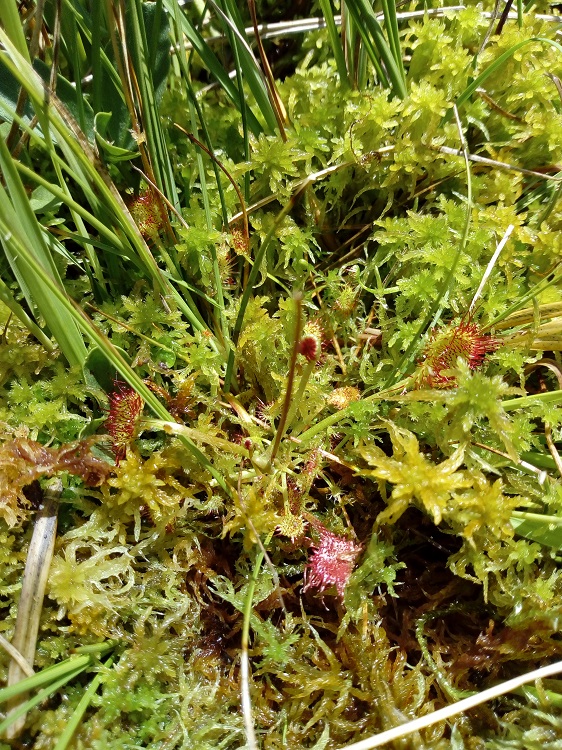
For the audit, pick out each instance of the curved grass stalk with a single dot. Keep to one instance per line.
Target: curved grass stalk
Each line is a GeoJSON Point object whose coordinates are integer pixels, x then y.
{"type": "Point", "coordinates": [91, 27]}
{"type": "Point", "coordinates": [540, 527]}
{"type": "Point", "coordinates": [71, 726]}
{"type": "Point", "coordinates": [443, 714]}
{"type": "Point", "coordinates": [501, 165]}
{"type": "Point", "coordinates": [273, 93]}
{"type": "Point", "coordinates": [493, 67]}
{"type": "Point", "coordinates": [244, 658]}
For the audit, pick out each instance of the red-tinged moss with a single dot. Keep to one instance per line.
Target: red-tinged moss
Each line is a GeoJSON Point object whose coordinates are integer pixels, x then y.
{"type": "Point", "coordinates": [23, 461]}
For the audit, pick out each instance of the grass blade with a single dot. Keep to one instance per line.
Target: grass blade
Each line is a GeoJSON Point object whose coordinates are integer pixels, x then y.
{"type": "Point", "coordinates": [337, 49]}
{"type": "Point", "coordinates": [144, 56]}
{"type": "Point", "coordinates": [377, 47]}
{"type": "Point", "coordinates": [21, 223]}
{"type": "Point", "coordinates": [40, 696]}
{"type": "Point", "coordinates": [212, 63]}
{"type": "Point", "coordinates": [80, 710]}
{"type": "Point", "coordinates": [251, 70]}
{"type": "Point", "coordinates": [477, 82]}
{"type": "Point", "coordinates": [10, 20]}
{"type": "Point", "coordinates": [72, 665]}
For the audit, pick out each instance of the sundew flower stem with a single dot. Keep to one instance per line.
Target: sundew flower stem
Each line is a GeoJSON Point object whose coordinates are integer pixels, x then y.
{"type": "Point", "coordinates": [305, 377]}
{"type": "Point", "coordinates": [283, 421]}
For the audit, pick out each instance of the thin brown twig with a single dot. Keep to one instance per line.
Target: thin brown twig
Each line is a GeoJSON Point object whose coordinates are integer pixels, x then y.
{"type": "Point", "coordinates": [498, 164]}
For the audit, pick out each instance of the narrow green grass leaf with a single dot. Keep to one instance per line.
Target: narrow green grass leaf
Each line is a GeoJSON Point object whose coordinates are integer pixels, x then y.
{"type": "Point", "coordinates": [493, 67]}
{"type": "Point", "coordinates": [10, 20]}
{"type": "Point", "coordinates": [391, 25]}
{"type": "Point", "coordinates": [212, 63]}
{"type": "Point", "coordinates": [72, 666]}
{"type": "Point", "coordinates": [539, 528]}
{"type": "Point", "coordinates": [251, 71]}
{"type": "Point", "coordinates": [550, 397]}
{"type": "Point", "coordinates": [337, 49]}
{"type": "Point", "coordinates": [147, 21]}
{"type": "Point", "coordinates": [39, 697]}
{"type": "Point", "coordinates": [72, 724]}
{"type": "Point", "coordinates": [17, 310]}
{"type": "Point", "coordinates": [21, 223]}
{"type": "Point", "coordinates": [377, 47]}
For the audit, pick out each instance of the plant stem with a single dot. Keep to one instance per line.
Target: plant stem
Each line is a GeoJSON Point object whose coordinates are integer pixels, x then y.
{"type": "Point", "coordinates": [281, 427]}
{"type": "Point", "coordinates": [30, 605]}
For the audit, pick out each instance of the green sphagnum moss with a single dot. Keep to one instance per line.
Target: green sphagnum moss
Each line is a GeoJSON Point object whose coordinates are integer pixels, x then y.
{"type": "Point", "coordinates": [428, 458]}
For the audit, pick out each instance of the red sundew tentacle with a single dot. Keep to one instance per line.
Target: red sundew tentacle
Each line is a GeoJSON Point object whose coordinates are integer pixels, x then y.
{"type": "Point", "coordinates": [464, 339]}
{"type": "Point", "coordinates": [332, 562]}
{"type": "Point", "coordinates": [125, 407]}
{"type": "Point", "coordinates": [312, 341]}
{"type": "Point", "coordinates": [147, 213]}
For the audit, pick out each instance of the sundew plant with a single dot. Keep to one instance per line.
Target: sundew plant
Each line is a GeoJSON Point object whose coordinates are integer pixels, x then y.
{"type": "Point", "coordinates": [281, 319]}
